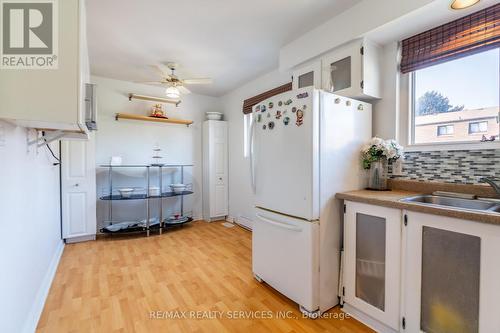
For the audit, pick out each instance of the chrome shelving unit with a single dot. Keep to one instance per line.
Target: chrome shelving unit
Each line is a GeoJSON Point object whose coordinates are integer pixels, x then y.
{"type": "Point", "coordinates": [110, 197]}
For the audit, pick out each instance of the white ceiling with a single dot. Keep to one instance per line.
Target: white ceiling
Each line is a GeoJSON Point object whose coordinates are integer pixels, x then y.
{"type": "Point", "coordinates": [435, 14]}
{"type": "Point", "coordinates": [231, 41]}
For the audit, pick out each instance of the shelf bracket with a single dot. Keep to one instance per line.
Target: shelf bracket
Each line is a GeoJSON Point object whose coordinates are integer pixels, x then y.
{"type": "Point", "coordinates": [46, 138]}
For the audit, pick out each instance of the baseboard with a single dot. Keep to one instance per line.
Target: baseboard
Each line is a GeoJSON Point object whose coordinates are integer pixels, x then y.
{"type": "Point", "coordinates": [244, 225]}
{"type": "Point", "coordinates": [43, 291]}
{"type": "Point", "coordinates": [80, 239]}
{"type": "Point", "coordinates": [216, 219]}
{"type": "Point", "coordinates": [367, 320]}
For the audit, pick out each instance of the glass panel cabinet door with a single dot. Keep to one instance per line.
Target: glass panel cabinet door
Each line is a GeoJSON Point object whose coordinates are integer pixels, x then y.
{"type": "Point", "coordinates": [307, 76]}
{"type": "Point", "coordinates": [450, 281]}
{"type": "Point", "coordinates": [451, 274]}
{"type": "Point", "coordinates": [372, 255]}
{"type": "Point", "coordinates": [340, 74]}
{"type": "Point", "coordinates": [343, 70]}
{"type": "Point", "coordinates": [370, 259]}
{"type": "Point", "coordinates": [306, 79]}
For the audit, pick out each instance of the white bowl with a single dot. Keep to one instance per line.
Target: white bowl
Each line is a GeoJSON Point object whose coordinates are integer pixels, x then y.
{"type": "Point", "coordinates": [154, 191]}
{"type": "Point", "coordinates": [126, 192]}
{"type": "Point", "coordinates": [116, 161]}
{"type": "Point", "coordinates": [178, 188]}
{"type": "Point", "coordinates": [214, 115]}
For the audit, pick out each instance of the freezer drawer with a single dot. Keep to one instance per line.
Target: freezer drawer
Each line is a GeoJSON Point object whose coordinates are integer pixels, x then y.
{"type": "Point", "coordinates": [285, 253]}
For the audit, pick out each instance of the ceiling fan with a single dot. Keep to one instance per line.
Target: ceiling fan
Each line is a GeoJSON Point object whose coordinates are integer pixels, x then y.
{"type": "Point", "coordinates": [175, 85]}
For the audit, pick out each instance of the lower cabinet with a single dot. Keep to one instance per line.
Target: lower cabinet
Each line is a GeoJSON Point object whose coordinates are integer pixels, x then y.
{"type": "Point", "coordinates": [372, 248]}
{"type": "Point", "coordinates": [407, 271]}
{"type": "Point", "coordinates": [451, 275]}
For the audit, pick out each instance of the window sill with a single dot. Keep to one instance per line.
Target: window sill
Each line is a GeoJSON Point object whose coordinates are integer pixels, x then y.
{"type": "Point", "coordinates": [453, 146]}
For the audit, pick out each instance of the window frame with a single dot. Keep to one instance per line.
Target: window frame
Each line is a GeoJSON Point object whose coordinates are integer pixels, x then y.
{"type": "Point", "coordinates": [446, 126]}
{"type": "Point", "coordinates": [406, 131]}
{"type": "Point", "coordinates": [247, 127]}
{"type": "Point", "coordinates": [479, 127]}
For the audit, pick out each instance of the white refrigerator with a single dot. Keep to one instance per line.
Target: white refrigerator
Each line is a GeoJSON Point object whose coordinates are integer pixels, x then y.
{"type": "Point", "coordinates": [305, 147]}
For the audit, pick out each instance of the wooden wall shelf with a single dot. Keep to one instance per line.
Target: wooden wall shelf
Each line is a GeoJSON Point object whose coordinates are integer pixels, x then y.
{"type": "Point", "coordinates": [153, 119]}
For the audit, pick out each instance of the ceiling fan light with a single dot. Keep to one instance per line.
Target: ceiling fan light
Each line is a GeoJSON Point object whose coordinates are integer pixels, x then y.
{"type": "Point", "coordinates": [462, 4]}
{"type": "Point", "coordinates": [173, 93]}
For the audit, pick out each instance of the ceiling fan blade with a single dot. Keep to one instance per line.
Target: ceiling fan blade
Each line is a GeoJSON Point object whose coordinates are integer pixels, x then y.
{"type": "Point", "coordinates": [164, 70]}
{"type": "Point", "coordinates": [183, 90]}
{"type": "Point", "coordinates": [150, 82]}
{"type": "Point", "coordinates": [198, 81]}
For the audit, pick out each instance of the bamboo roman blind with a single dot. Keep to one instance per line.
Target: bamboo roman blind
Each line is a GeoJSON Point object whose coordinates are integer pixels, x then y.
{"type": "Point", "coordinates": [471, 34]}
{"type": "Point", "coordinates": [250, 102]}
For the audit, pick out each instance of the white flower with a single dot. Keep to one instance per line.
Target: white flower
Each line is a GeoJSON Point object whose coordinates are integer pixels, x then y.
{"type": "Point", "coordinates": [376, 141]}
{"type": "Point", "coordinates": [366, 148]}
{"type": "Point", "coordinates": [389, 149]}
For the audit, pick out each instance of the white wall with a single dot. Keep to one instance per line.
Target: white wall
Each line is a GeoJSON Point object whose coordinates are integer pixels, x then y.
{"type": "Point", "coordinates": [386, 110]}
{"type": "Point", "coordinates": [355, 22]}
{"type": "Point", "coordinates": [240, 191]}
{"type": "Point", "coordinates": [134, 140]}
{"type": "Point", "coordinates": [31, 243]}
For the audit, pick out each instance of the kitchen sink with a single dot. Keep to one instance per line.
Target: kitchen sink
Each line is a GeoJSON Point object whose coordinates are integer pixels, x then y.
{"type": "Point", "coordinates": [455, 203]}
{"type": "Point", "coordinates": [495, 209]}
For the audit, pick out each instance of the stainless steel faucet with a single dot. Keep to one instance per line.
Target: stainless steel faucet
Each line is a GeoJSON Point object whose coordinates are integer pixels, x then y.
{"type": "Point", "coordinates": [493, 184]}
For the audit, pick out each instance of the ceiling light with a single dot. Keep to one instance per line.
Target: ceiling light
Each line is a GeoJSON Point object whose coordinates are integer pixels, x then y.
{"type": "Point", "coordinates": [462, 4]}
{"type": "Point", "coordinates": [173, 92]}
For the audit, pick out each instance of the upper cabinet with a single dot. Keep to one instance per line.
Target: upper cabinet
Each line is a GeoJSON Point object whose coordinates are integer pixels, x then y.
{"type": "Point", "coordinates": [50, 97]}
{"type": "Point", "coordinates": [353, 70]}
{"type": "Point", "coordinates": [307, 76]}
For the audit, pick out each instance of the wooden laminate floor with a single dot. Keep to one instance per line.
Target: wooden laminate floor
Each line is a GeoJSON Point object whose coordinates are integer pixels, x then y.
{"type": "Point", "coordinates": [197, 278]}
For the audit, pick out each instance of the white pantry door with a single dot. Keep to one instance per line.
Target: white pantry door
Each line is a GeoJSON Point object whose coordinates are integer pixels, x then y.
{"type": "Point", "coordinates": [78, 189]}
{"type": "Point", "coordinates": [218, 168]}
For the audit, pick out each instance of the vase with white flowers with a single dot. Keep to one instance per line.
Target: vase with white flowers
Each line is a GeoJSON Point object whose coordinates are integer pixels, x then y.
{"type": "Point", "coordinates": [376, 155]}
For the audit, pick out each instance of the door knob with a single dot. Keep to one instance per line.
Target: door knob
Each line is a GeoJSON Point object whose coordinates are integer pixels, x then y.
{"type": "Point", "coordinates": [76, 185]}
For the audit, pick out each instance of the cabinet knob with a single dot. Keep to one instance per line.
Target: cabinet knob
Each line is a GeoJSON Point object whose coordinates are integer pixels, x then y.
{"type": "Point", "coordinates": [76, 185]}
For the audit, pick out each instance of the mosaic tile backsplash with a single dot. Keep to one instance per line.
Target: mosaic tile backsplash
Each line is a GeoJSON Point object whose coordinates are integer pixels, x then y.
{"type": "Point", "coordinates": [459, 166]}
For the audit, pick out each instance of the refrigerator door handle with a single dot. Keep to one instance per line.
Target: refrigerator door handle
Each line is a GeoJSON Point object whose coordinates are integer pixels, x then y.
{"type": "Point", "coordinates": [252, 161]}
{"type": "Point", "coordinates": [279, 224]}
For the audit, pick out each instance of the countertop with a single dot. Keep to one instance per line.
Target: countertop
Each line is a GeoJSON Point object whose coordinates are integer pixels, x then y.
{"type": "Point", "coordinates": [391, 199]}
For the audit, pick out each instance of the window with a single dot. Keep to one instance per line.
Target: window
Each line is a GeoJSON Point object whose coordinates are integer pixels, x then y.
{"type": "Point", "coordinates": [445, 130]}
{"type": "Point", "coordinates": [478, 127]}
{"type": "Point", "coordinates": [247, 126]}
{"type": "Point", "coordinates": [454, 100]}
